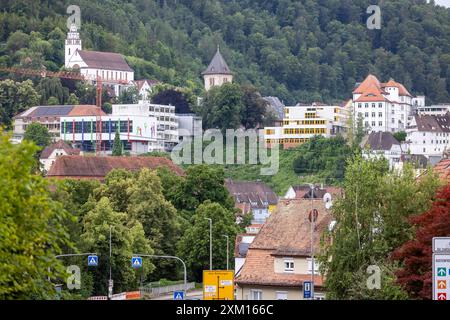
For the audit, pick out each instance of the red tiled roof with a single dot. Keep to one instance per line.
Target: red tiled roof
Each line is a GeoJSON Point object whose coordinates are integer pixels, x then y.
{"type": "Point", "coordinates": [286, 233]}
{"type": "Point", "coordinates": [371, 89]}
{"type": "Point", "coordinates": [443, 170]}
{"type": "Point", "coordinates": [59, 145]}
{"type": "Point", "coordinates": [86, 110]}
{"type": "Point", "coordinates": [104, 60]}
{"type": "Point", "coordinates": [80, 167]}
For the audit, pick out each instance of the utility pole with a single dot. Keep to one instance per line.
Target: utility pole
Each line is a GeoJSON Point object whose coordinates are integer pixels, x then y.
{"type": "Point", "coordinates": [110, 284]}
{"type": "Point", "coordinates": [210, 243]}
{"type": "Point", "coordinates": [228, 250]}
{"type": "Point", "coordinates": [312, 241]}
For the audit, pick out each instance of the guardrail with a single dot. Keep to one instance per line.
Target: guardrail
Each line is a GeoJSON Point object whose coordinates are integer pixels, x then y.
{"type": "Point", "coordinates": [167, 289]}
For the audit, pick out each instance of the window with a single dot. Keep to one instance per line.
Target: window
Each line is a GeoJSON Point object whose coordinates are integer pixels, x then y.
{"type": "Point", "coordinates": [380, 123]}
{"type": "Point", "coordinates": [288, 265]}
{"type": "Point", "coordinates": [359, 105]}
{"type": "Point", "coordinates": [380, 114]}
{"type": "Point", "coordinates": [282, 295]}
{"type": "Point", "coordinates": [256, 294]}
{"type": "Point", "coordinates": [380, 105]}
{"type": "Point", "coordinates": [316, 266]}
{"type": "Point", "coordinates": [366, 105]}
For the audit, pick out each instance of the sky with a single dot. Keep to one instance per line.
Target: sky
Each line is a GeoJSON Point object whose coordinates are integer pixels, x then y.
{"type": "Point", "coordinates": [445, 3]}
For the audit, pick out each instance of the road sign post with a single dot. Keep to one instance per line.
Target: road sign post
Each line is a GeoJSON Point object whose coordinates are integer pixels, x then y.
{"type": "Point", "coordinates": [218, 285]}
{"type": "Point", "coordinates": [136, 262]}
{"type": "Point", "coordinates": [178, 295]}
{"type": "Point", "coordinates": [92, 261]}
{"type": "Point", "coordinates": [441, 268]}
{"type": "Point", "coordinates": [308, 288]}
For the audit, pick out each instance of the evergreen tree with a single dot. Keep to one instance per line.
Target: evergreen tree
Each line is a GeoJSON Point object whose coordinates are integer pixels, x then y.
{"type": "Point", "coordinates": [117, 146]}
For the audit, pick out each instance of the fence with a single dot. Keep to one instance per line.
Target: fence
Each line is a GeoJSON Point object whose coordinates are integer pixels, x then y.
{"type": "Point", "coordinates": [167, 289]}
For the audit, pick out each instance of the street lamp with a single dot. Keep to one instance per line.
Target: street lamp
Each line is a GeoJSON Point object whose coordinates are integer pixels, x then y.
{"type": "Point", "coordinates": [228, 239]}
{"type": "Point", "coordinates": [210, 243]}
{"type": "Point", "coordinates": [313, 218]}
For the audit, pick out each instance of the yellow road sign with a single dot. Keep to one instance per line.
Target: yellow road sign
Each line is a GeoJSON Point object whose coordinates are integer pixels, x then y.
{"type": "Point", "coordinates": [218, 285]}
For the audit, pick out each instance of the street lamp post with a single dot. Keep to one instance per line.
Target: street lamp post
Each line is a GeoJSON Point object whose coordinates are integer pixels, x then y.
{"type": "Point", "coordinates": [210, 243]}
{"type": "Point", "coordinates": [228, 250]}
{"type": "Point", "coordinates": [168, 257]}
{"type": "Point", "coordinates": [313, 220]}
{"type": "Point", "coordinates": [110, 283]}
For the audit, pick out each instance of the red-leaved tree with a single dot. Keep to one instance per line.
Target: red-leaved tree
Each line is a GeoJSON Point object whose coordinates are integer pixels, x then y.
{"type": "Point", "coordinates": [415, 276]}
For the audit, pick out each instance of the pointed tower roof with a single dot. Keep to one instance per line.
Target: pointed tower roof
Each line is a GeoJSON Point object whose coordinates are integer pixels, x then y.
{"type": "Point", "coordinates": [217, 65]}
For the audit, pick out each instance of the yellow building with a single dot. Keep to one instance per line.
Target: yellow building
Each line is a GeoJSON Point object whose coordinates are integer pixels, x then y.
{"type": "Point", "coordinates": [302, 122]}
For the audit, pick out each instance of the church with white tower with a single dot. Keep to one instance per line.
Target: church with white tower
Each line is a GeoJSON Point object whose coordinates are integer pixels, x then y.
{"type": "Point", "coordinates": [110, 67]}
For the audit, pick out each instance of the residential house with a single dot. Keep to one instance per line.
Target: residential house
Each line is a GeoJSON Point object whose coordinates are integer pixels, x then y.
{"type": "Point", "coordinates": [278, 261]}
{"type": "Point", "coordinates": [382, 144]}
{"type": "Point", "coordinates": [429, 135]}
{"type": "Point", "coordinates": [55, 150]}
{"type": "Point", "coordinates": [144, 88]}
{"type": "Point", "coordinates": [80, 167]}
{"type": "Point", "coordinates": [304, 192]}
{"type": "Point", "coordinates": [254, 197]}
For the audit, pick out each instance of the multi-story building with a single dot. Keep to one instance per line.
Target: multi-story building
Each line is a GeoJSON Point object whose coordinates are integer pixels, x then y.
{"type": "Point", "coordinates": [302, 122]}
{"type": "Point", "coordinates": [167, 128]}
{"type": "Point", "coordinates": [137, 133]}
{"type": "Point", "coordinates": [49, 116]}
{"type": "Point", "coordinates": [429, 135]}
{"type": "Point", "coordinates": [383, 106]}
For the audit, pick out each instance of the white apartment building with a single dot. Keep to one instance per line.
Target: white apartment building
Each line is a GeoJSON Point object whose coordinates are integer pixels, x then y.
{"type": "Point", "coordinates": [384, 106]}
{"type": "Point", "coordinates": [429, 135]}
{"type": "Point", "coordinates": [137, 133]}
{"type": "Point", "coordinates": [302, 122]}
{"type": "Point", "coordinates": [167, 121]}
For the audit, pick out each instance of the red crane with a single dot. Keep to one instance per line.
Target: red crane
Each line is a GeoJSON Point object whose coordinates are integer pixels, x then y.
{"type": "Point", "coordinates": [74, 76]}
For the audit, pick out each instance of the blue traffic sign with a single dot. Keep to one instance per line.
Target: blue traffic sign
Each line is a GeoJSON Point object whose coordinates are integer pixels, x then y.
{"type": "Point", "coordinates": [307, 289]}
{"type": "Point", "coordinates": [136, 262]}
{"type": "Point", "coordinates": [178, 295]}
{"type": "Point", "coordinates": [92, 261]}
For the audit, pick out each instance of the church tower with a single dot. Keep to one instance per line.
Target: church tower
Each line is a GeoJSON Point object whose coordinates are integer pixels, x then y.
{"type": "Point", "coordinates": [73, 43]}
{"type": "Point", "coordinates": [217, 72]}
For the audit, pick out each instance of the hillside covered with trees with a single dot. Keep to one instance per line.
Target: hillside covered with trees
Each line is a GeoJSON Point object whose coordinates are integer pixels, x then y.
{"type": "Point", "coordinates": [304, 50]}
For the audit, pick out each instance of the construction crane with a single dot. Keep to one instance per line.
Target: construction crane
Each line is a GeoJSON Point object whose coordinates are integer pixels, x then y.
{"type": "Point", "coordinates": [43, 73]}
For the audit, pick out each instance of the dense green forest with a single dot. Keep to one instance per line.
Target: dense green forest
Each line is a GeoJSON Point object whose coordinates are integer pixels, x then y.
{"type": "Point", "coordinates": [298, 50]}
